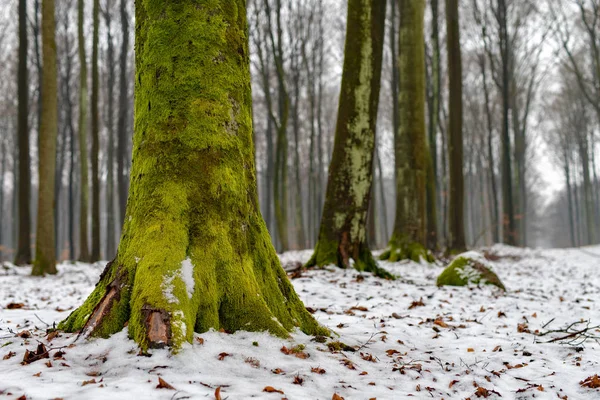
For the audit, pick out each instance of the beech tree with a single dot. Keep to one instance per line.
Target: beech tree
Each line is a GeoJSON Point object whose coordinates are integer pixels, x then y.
{"type": "Point", "coordinates": [45, 255]}
{"type": "Point", "coordinates": [456, 242]}
{"type": "Point", "coordinates": [342, 235]}
{"type": "Point", "coordinates": [195, 252]}
{"type": "Point", "coordinates": [84, 253]}
{"type": "Point", "coordinates": [23, 255]}
{"type": "Point", "coordinates": [408, 239]}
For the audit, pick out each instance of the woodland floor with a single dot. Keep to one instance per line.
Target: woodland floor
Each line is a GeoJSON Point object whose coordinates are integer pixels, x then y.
{"type": "Point", "coordinates": [413, 339]}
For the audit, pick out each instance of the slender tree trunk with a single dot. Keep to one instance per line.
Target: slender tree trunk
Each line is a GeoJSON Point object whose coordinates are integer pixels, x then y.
{"type": "Point", "coordinates": [384, 215]}
{"type": "Point", "coordinates": [122, 134]}
{"type": "Point", "coordinates": [84, 253]}
{"type": "Point", "coordinates": [343, 231]}
{"type": "Point", "coordinates": [434, 114]}
{"type": "Point", "coordinates": [570, 201]}
{"type": "Point", "coordinates": [195, 253]}
{"type": "Point", "coordinates": [494, 211]}
{"type": "Point", "coordinates": [456, 242]}
{"type": "Point", "coordinates": [2, 173]}
{"type": "Point", "coordinates": [409, 237]}
{"type": "Point", "coordinates": [298, 215]}
{"type": "Point", "coordinates": [508, 213]}
{"type": "Point", "coordinates": [110, 184]}
{"type": "Point", "coordinates": [23, 255]}
{"type": "Point", "coordinates": [45, 256]}
{"type": "Point", "coordinates": [95, 254]}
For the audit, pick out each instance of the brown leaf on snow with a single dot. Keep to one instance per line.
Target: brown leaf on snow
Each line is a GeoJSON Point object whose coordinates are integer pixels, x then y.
{"type": "Point", "coordinates": [416, 304]}
{"type": "Point", "coordinates": [440, 322]}
{"type": "Point", "coordinates": [90, 382]}
{"type": "Point", "coordinates": [24, 334]}
{"type": "Point", "coordinates": [222, 356]}
{"type": "Point", "coordinates": [277, 371]}
{"type": "Point", "coordinates": [52, 335]}
{"type": "Point", "coordinates": [337, 397]}
{"type": "Point", "coordinates": [14, 306]}
{"type": "Point", "coordinates": [218, 393]}
{"type": "Point", "coordinates": [368, 357]}
{"type": "Point", "coordinates": [454, 382]}
{"type": "Point", "coordinates": [523, 328]}
{"type": "Point", "coordinates": [10, 354]}
{"type": "Point", "coordinates": [298, 380]}
{"type": "Point", "coordinates": [592, 382]}
{"type": "Point", "coordinates": [162, 384]}
{"type": "Point", "coordinates": [31, 356]}
{"type": "Point", "coordinates": [359, 308]}
{"type": "Point", "coordinates": [295, 351]}
{"type": "Point", "coordinates": [348, 364]}
{"type": "Point", "coordinates": [317, 370]}
{"type": "Point", "coordinates": [485, 393]}
{"type": "Point", "coordinates": [271, 389]}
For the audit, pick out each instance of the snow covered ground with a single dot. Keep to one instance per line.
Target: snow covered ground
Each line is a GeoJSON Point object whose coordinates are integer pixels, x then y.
{"type": "Point", "coordinates": [411, 338]}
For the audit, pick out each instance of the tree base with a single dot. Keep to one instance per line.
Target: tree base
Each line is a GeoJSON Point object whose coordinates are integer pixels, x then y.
{"type": "Point", "coordinates": [345, 256]}
{"type": "Point", "coordinates": [398, 250]}
{"type": "Point", "coordinates": [162, 307]}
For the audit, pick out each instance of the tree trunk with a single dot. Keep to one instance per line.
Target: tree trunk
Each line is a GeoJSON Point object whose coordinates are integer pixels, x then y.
{"type": "Point", "coordinates": [23, 255]}
{"type": "Point", "coordinates": [569, 201]}
{"type": "Point", "coordinates": [195, 253]}
{"type": "Point", "coordinates": [342, 233]}
{"type": "Point", "coordinates": [508, 213]}
{"type": "Point", "coordinates": [434, 115]}
{"type": "Point", "coordinates": [456, 239]}
{"type": "Point", "coordinates": [45, 256]}
{"type": "Point", "coordinates": [110, 201]}
{"type": "Point", "coordinates": [122, 133]}
{"type": "Point", "coordinates": [84, 253]}
{"type": "Point", "coordinates": [409, 237]}
{"type": "Point", "coordinates": [95, 255]}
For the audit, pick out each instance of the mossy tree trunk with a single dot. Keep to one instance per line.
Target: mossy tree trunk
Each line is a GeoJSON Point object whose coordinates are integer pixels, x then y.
{"type": "Point", "coordinates": [84, 252]}
{"type": "Point", "coordinates": [195, 252]}
{"type": "Point", "coordinates": [110, 184]}
{"type": "Point", "coordinates": [409, 237]}
{"type": "Point", "coordinates": [122, 132]}
{"type": "Point", "coordinates": [456, 239]}
{"type": "Point", "coordinates": [23, 255]}
{"type": "Point", "coordinates": [342, 234]}
{"type": "Point", "coordinates": [45, 256]}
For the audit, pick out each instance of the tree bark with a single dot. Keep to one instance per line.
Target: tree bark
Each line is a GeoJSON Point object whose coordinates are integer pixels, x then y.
{"type": "Point", "coordinates": [84, 253]}
{"type": "Point", "coordinates": [409, 237]}
{"type": "Point", "coordinates": [195, 253]}
{"type": "Point", "coordinates": [456, 239]}
{"type": "Point", "coordinates": [342, 234]}
{"type": "Point", "coordinates": [110, 182]}
{"type": "Point", "coordinates": [95, 254]}
{"type": "Point", "coordinates": [122, 133]}
{"type": "Point", "coordinates": [23, 255]}
{"type": "Point", "coordinates": [45, 256]}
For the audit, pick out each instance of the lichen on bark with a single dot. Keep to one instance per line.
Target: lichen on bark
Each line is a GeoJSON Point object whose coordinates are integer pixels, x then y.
{"type": "Point", "coordinates": [195, 253]}
{"type": "Point", "coordinates": [342, 234]}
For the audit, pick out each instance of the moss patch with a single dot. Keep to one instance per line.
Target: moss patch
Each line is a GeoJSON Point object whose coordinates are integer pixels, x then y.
{"type": "Point", "coordinates": [469, 268]}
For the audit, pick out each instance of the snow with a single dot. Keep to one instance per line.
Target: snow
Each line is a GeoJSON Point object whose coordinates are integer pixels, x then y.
{"type": "Point", "coordinates": [187, 274]}
{"type": "Point", "coordinates": [439, 350]}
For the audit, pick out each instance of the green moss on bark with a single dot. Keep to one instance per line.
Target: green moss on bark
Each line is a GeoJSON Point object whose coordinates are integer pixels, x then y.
{"type": "Point", "coordinates": [342, 234]}
{"type": "Point", "coordinates": [195, 253]}
{"type": "Point", "coordinates": [469, 268]}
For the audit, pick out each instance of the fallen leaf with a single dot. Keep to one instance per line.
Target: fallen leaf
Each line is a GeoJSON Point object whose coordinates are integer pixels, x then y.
{"type": "Point", "coordinates": [38, 374]}
{"type": "Point", "coordinates": [10, 354]}
{"type": "Point", "coordinates": [337, 397]}
{"type": "Point", "coordinates": [454, 382]}
{"type": "Point", "coordinates": [91, 382]}
{"type": "Point", "coordinates": [298, 380]}
{"type": "Point", "coordinates": [277, 371]}
{"type": "Point", "coordinates": [14, 306]}
{"type": "Point", "coordinates": [271, 389]}
{"type": "Point", "coordinates": [416, 304]}
{"type": "Point", "coordinates": [470, 350]}
{"type": "Point", "coordinates": [317, 370]}
{"type": "Point", "coordinates": [360, 308]}
{"type": "Point", "coordinates": [368, 357]}
{"type": "Point", "coordinates": [592, 382]}
{"type": "Point", "coordinates": [218, 393]}
{"type": "Point", "coordinates": [222, 356]}
{"type": "Point", "coordinates": [162, 384]}
{"type": "Point", "coordinates": [32, 356]}
{"type": "Point", "coordinates": [200, 340]}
